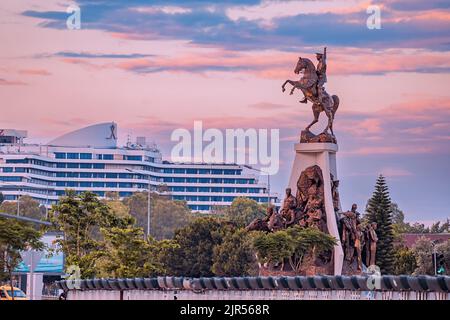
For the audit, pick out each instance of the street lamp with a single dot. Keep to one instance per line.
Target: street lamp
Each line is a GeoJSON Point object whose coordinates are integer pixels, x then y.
{"type": "Point", "coordinates": [268, 182]}
{"type": "Point", "coordinates": [148, 201]}
{"type": "Point", "coordinates": [433, 243]}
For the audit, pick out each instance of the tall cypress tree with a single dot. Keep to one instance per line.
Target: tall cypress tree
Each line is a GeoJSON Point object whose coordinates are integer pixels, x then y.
{"type": "Point", "coordinates": [379, 210]}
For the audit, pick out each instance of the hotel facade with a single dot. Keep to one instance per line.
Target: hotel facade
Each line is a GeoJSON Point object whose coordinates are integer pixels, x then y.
{"type": "Point", "coordinates": [89, 159]}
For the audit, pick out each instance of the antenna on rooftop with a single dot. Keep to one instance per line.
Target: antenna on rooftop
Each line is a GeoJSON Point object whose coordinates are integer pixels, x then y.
{"type": "Point", "coordinates": [128, 140]}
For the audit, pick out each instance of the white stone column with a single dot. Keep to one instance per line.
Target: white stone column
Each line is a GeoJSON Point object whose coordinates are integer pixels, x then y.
{"type": "Point", "coordinates": [323, 155]}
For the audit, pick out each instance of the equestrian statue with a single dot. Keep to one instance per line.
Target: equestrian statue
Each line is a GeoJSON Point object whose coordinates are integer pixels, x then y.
{"type": "Point", "coordinates": [312, 85]}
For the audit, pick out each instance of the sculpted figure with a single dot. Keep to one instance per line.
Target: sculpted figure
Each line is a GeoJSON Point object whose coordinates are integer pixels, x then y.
{"type": "Point", "coordinates": [350, 222]}
{"type": "Point", "coordinates": [311, 176]}
{"type": "Point", "coordinates": [335, 195]}
{"type": "Point", "coordinates": [371, 244]}
{"type": "Point", "coordinates": [321, 73]}
{"type": "Point", "coordinates": [275, 220]}
{"type": "Point", "coordinates": [359, 244]}
{"type": "Point", "coordinates": [311, 84]}
{"type": "Point", "coordinates": [288, 208]}
{"type": "Point", "coordinates": [313, 211]}
{"type": "Point", "coordinates": [259, 224]}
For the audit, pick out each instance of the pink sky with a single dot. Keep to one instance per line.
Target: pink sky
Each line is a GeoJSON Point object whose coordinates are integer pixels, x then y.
{"type": "Point", "coordinates": [407, 87]}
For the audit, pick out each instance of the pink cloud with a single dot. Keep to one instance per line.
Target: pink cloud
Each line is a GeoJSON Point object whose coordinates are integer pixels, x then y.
{"type": "Point", "coordinates": [4, 82]}
{"type": "Point", "coordinates": [35, 72]}
{"type": "Point", "coordinates": [364, 151]}
{"type": "Point", "coordinates": [279, 65]}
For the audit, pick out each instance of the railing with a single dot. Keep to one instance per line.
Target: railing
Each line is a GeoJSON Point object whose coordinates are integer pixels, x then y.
{"type": "Point", "coordinates": [262, 288]}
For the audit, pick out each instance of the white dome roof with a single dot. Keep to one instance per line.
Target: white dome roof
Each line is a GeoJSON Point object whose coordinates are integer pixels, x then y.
{"type": "Point", "coordinates": [102, 135]}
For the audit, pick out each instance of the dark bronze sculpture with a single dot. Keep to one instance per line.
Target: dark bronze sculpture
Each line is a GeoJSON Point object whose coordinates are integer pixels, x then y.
{"type": "Point", "coordinates": [357, 238]}
{"type": "Point", "coordinates": [312, 86]}
{"type": "Point", "coordinates": [305, 209]}
{"type": "Point", "coordinates": [371, 243]}
{"type": "Point", "coordinates": [335, 194]}
{"type": "Point", "coordinates": [350, 222]}
{"type": "Point", "coordinates": [288, 208]}
{"type": "Point", "coordinates": [272, 222]}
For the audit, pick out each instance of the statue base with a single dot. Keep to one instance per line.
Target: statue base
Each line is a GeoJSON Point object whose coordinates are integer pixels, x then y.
{"type": "Point", "coordinates": [308, 268]}
{"type": "Point", "coordinates": [351, 269]}
{"type": "Point", "coordinates": [309, 137]}
{"type": "Point", "coordinates": [322, 155]}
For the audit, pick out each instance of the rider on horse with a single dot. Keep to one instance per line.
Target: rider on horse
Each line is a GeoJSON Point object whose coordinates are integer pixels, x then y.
{"type": "Point", "coordinates": [321, 71]}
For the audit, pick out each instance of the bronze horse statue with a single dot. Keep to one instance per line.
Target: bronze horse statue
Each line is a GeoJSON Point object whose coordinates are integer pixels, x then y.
{"type": "Point", "coordinates": [308, 85]}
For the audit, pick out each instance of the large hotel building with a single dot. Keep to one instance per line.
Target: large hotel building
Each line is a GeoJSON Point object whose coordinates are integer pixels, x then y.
{"type": "Point", "coordinates": [90, 160]}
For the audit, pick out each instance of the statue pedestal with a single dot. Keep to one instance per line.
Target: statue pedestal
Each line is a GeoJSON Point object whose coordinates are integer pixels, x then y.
{"type": "Point", "coordinates": [324, 156]}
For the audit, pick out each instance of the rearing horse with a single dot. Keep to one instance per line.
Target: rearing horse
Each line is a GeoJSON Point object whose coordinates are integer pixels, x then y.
{"type": "Point", "coordinates": [307, 84]}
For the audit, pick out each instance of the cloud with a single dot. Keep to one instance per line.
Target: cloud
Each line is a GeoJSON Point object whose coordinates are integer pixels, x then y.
{"type": "Point", "coordinates": [4, 82]}
{"type": "Point", "coordinates": [273, 64]}
{"type": "Point", "coordinates": [89, 55]}
{"type": "Point", "coordinates": [269, 106]}
{"type": "Point", "coordinates": [419, 126]}
{"type": "Point", "coordinates": [35, 72]}
{"type": "Point", "coordinates": [255, 25]}
{"type": "Point", "coordinates": [417, 5]}
{"type": "Point", "coordinates": [395, 172]}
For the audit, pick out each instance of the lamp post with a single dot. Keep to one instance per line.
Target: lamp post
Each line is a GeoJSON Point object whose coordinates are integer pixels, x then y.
{"type": "Point", "coordinates": [268, 182]}
{"type": "Point", "coordinates": [148, 202]}
{"type": "Point", "coordinates": [434, 257]}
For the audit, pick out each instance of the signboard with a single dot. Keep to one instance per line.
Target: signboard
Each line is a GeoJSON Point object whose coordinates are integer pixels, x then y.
{"type": "Point", "coordinates": [51, 260]}
{"type": "Point", "coordinates": [31, 258]}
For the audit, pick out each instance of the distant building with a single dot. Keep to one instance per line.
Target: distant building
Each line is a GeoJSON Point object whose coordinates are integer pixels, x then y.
{"type": "Point", "coordinates": [88, 159]}
{"type": "Point", "coordinates": [409, 239]}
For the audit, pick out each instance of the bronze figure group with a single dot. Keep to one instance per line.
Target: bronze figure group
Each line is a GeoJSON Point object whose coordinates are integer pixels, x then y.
{"type": "Point", "coordinates": [305, 209]}
{"type": "Point", "coordinates": [357, 239]}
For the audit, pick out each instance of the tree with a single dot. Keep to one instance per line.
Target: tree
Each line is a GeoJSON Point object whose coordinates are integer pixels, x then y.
{"type": "Point", "coordinates": [112, 195]}
{"type": "Point", "coordinates": [2, 198]}
{"type": "Point", "coordinates": [423, 251]}
{"type": "Point", "coordinates": [274, 247]}
{"type": "Point", "coordinates": [167, 216]}
{"type": "Point", "coordinates": [379, 210]}
{"type": "Point", "coordinates": [296, 245]}
{"type": "Point", "coordinates": [400, 226]}
{"type": "Point", "coordinates": [235, 255]}
{"type": "Point", "coordinates": [193, 250]}
{"type": "Point", "coordinates": [138, 204]}
{"type": "Point", "coordinates": [417, 228]}
{"type": "Point", "coordinates": [244, 210]}
{"type": "Point", "coordinates": [125, 254]}
{"type": "Point", "coordinates": [15, 237]}
{"type": "Point", "coordinates": [28, 207]}
{"type": "Point", "coordinates": [118, 208]}
{"type": "Point", "coordinates": [405, 261]}
{"type": "Point", "coordinates": [438, 228]}
{"type": "Point", "coordinates": [80, 218]}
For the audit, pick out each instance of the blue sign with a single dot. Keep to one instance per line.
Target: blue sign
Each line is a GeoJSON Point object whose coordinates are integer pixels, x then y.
{"type": "Point", "coordinates": [52, 260]}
